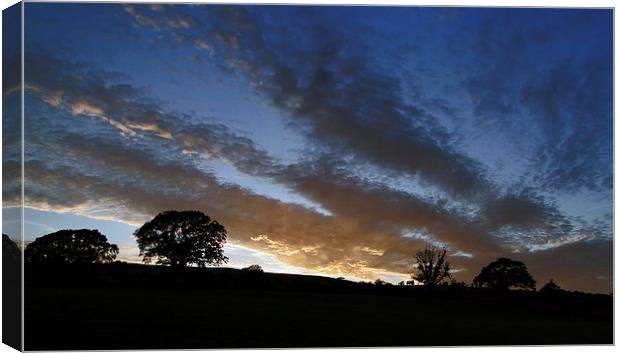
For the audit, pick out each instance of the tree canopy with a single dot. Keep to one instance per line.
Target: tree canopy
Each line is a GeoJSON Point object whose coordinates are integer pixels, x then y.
{"type": "Point", "coordinates": [504, 274]}
{"type": "Point", "coordinates": [431, 266]}
{"type": "Point", "coordinates": [71, 246]}
{"type": "Point", "coordinates": [182, 238]}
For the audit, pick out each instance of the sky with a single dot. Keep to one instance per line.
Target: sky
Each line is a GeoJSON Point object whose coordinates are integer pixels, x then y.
{"type": "Point", "coordinates": [327, 140]}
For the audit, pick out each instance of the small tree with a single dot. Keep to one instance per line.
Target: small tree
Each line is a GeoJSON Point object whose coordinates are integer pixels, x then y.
{"type": "Point", "coordinates": [181, 238]}
{"type": "Point", "coordinates": [432, 266]}
{"type": "Point", "coordinates": [550, 287]}
{"type": "Point", "coordinates": [71, 246]}
{"type": "Point", "coordinates": [253, 268]}
{"type": "Point", "coordinates": [505, 273]}
{"type": "Point", "coordinates": [380, 282]}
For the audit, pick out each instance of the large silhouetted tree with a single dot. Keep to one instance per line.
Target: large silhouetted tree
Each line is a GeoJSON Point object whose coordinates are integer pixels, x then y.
{"type": "Point", "coordinates": [182, 238]}
{"type": "Point", "coordinates": [431, 266]}
{"type": "Point", "coordinates": [71, 246]}
{"type": "Point", "coordinates": [505, 273]}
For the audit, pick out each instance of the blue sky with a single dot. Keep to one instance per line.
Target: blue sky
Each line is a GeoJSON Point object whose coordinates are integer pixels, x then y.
{"type": "Point", "coordinates": [333, 140]}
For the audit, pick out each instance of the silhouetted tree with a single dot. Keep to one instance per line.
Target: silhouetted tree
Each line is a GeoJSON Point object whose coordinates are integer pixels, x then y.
{"type": "Point", "coordinates": [380, 282]}
{"type": "Point", "coordinates": [10, 251]}
{"type": "Point", "coordinates": [71, 246]}
{"type": "Point", "coordinates": [253, 268]}
{"type": "Point", "coordinates": [432, 266]}
{"type": "Point", "coordinates": [550, 287]}
{"type": "Point", "coordinates": [181, 238]}
{"type": "Point", "coordinates": [505, 273]}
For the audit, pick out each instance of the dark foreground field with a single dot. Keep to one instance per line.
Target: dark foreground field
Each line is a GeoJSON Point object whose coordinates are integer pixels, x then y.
{"type": "Point", "coordinates": [145, 307]}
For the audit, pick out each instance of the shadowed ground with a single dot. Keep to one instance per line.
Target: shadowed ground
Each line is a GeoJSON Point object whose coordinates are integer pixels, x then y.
{"type": "Point", "coordinates": [228, 308]}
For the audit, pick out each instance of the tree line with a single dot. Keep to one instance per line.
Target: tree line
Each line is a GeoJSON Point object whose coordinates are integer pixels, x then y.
{"type": "Point", "coordinates": [173, 238]}
{"type": "Point", "coordinates": [432, 268]}
{"type": "Point", "coordinates": [186, 238]}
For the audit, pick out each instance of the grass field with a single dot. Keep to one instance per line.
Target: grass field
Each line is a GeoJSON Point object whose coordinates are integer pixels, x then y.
{"type": "Point", "coordinates": [132, 317]}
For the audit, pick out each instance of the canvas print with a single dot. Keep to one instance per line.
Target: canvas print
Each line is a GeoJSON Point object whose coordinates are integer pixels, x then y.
{"type": "Point", "coordinates": [196, 176]}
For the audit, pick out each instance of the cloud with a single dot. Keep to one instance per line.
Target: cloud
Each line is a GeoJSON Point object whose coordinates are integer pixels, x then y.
{"type": "Point", "coordinates": [341, 98]}
{"type": "Point", "coordinates": [341, 101]}
{"type": "Point", "coordinates": [574, 103]}
{"type": "Point", "coordinates": [181, 22]}
{"type": "Point", "coordinates": [525, 210]}
{"type": "Point", "coordinates": [358, 111]}
{"type": "Point", "coordinates": [203, 44]}
{"type": "Point", "coordinates": [277, 247]}
{"type": "Point", "coordinates": [377, 208]}
{"type": "Point", "coordinates": [142, 20]}
{"type": "Point", "coordinates": [218, 141]}
{"type": "Point", "coordinates": [86, 108]}
{"type": "Point", "coordinates": [368, 250]}
{"type": "Point", "coordinates": [151, 127]}
{"type": "Point", "coordinates": [546, 89]}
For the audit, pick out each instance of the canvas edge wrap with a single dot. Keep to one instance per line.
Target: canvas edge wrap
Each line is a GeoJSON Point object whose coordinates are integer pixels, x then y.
{"type": "Point", "coordinates": [12, 175]}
